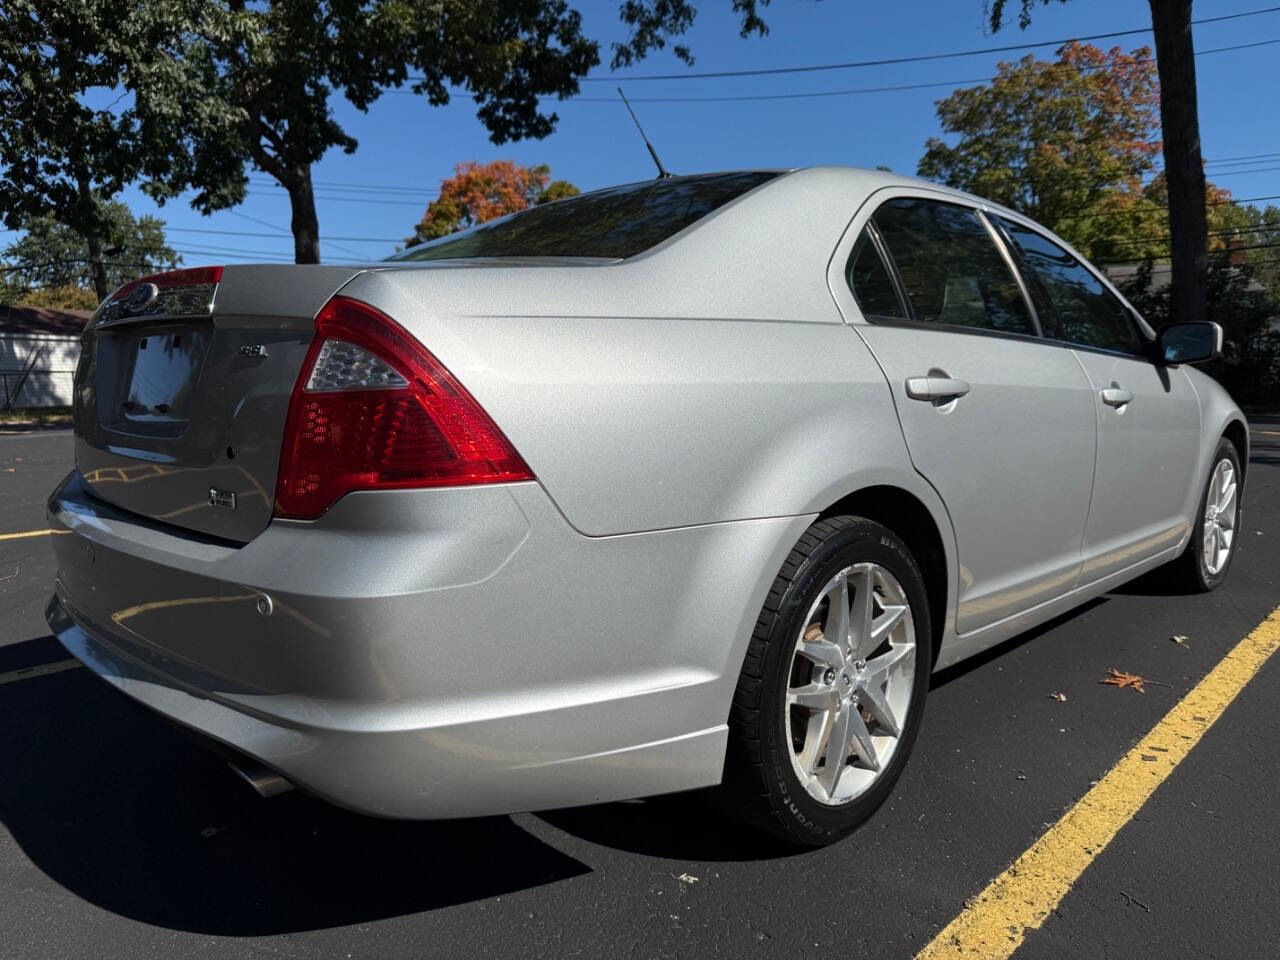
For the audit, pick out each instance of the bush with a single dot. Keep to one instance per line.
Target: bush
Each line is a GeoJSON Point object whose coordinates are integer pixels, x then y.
{"type": "Point", "coordinates": [69, 297]}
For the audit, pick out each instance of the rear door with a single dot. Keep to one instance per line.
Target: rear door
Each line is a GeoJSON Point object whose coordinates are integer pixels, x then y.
{"type": "Point", "coordinates": [1148, 414]}
{"type": "Point", "coordinates": [998, 421]}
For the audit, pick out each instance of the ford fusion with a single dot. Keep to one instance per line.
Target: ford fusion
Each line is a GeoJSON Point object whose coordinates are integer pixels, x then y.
{"type": "Point", "coordinates": [678, 484]}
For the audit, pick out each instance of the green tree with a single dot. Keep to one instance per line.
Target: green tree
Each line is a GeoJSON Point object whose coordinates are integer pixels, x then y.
{"type": "Point", "coordinates": [477, 193]}
{"type": "Point", "coordinates": [281, 62]}
{"type": "Point", "coordinates": [61, 155]}
{"type": "Point", "coordinates": [1066, 142]}
{"type": "Point", "coordinates": [1183, 163]}
{"type": "Point", "coordinates": [51, 255]}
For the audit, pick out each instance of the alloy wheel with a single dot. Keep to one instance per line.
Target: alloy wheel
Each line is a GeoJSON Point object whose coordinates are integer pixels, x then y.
{"type": "Point", "coordinates": [1220, 517]}
{"type": "Point", "coordinates": [850, 684]}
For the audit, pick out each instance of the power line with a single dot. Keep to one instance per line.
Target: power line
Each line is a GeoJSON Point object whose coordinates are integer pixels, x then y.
{"type": "Point", "coordinates": [920, 58]}
{"type": "Point", "coordinates": [1253, 156]}
{"type": "Point", "coordinates": [1221, 250]}
{"type": "Point", "coordinates": [741, 98]}
{"type": "Point", "coordinates": [12, 268]}
{"type": "Point", "coordinates": [1234, 201]}
{"type": "Point", "coordinates": [1232, 232]}
{"type": "Point", "coordinates": [392, 203]}
{"type": "Point", "coordinates": [1224, 173]}
{"type": "Point", "coordinates": [334, 186]}
{"type": "Point", "coordinates": [251, 233]}
{"type": "Point", "coordinates": [1241, 161]}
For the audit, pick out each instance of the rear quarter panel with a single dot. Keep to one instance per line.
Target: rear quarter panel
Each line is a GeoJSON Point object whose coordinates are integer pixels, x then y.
{"type": "Point", "coordinates": [710, 380]}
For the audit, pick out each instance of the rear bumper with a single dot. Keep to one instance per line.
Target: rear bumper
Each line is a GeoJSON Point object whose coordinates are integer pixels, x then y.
{"type": "Point", "coordinates": [428, 653]}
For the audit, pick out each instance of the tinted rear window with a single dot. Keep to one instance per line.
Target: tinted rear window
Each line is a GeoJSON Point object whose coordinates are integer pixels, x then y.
{"type": "Point", "coordinates": [613, 223]}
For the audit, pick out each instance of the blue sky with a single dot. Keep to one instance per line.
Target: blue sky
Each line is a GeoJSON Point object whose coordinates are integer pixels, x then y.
{"type": "Point", "coordinates": [407, 146]}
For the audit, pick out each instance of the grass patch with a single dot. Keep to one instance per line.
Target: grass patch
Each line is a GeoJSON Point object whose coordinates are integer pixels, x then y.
{"type": "Point", "coordinates": [36, 416]}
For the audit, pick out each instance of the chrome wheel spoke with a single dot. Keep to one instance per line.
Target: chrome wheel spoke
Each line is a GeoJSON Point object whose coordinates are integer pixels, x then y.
{"type": "Point", "coordinates": [861, 743]}
{"type": "Point", "coordinates": [884, 624]}
{"type": "Point", "coordinates": [872, 698]}
{"type": "Point", "coordinates": [878, 668]}
{"type": "Point", "coordinates": [863, 614]}
{"type": "Point", "coordinates": [837, 752]}
{"type": "Point", "coordinates": [821, 652]}
{"type": "Point", "coordinates": [814, 696]}
{"type": "Point", "coordinates": [836, 629]}
{"type": "Point", "coordinates": [1227, 508]}
{"type": "Point", "coordinates": [815, 742]}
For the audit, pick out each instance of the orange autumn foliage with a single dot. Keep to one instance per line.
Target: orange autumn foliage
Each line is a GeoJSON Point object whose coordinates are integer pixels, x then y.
{"type": "Point", "coordinates": [479, 192]}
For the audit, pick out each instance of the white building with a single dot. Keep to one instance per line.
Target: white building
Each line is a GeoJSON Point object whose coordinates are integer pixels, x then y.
{"type": "Point", "coordinates": [39, 349]}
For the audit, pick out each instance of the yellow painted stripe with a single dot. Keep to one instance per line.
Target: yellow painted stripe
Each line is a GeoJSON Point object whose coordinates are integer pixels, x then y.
{"type": "Point", "coordinates": [44, 669]}
{"type": "Point", "coordinates": [31, 533]}
{"type": "Point", "coordinates": [1268, 433]}
{"type": "Point", "coordinates": [994, 924]}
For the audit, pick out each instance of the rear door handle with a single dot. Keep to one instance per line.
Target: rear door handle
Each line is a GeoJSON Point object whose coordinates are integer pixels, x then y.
{"type": "Point", "coordinates": [935, 388]}
{"type": "Point", "coordinates": [1116, 395]}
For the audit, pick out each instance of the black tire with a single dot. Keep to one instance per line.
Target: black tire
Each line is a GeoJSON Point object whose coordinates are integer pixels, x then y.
{"type": "Point", "coordinates": [760, 785]}
{"type": "Point", "coordinates": [1189, 572]}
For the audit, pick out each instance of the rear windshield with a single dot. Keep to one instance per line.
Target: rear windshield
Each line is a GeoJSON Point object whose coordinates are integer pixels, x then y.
{"type": "Point", "coordinates": [613, 223]}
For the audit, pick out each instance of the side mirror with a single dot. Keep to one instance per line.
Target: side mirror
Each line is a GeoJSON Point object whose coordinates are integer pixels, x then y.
{"type": "Point", "coordinates": [1189, 342]}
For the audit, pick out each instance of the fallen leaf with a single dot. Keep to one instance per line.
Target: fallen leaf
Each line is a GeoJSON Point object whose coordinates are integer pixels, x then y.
{"type": "Point", "coordinates": [1118, 678]}
{"type": "Point", "coordinates": [687, 878]}
{"type": "Point", "coordinates": [1059, 696]}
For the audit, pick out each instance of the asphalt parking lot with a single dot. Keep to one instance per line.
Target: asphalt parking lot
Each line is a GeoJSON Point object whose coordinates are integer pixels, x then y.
{"type": "Point", "coordinates": [118, 838]}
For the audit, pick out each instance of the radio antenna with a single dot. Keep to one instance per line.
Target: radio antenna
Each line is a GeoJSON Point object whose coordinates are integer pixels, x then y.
{"type": "Point", "coordinates": [663, 173]}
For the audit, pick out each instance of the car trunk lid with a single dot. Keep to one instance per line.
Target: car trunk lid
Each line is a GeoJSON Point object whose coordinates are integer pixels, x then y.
{"type": "Point", "coordinates": [183, 388]}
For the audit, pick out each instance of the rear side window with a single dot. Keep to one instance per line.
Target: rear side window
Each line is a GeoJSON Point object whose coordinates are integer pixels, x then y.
{"type": "Point", "coordinates": [1073, 304]}
{"type": "Point", "coordinates": [951, 270]}
{"type": "Point", "coordinates": [870, 282]}
{"type": "Point", "coordinates": [614, 223]}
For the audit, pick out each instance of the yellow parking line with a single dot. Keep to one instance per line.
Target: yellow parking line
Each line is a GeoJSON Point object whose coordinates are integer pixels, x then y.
{"type": "Point", "coordinates": [31, 533]}
{"type": "Point", "coordinates": [993, 924]}
{"type": "Point", "coordinates": [1267, 433]}
{"type": "Point", "coordinates": [44, 669]}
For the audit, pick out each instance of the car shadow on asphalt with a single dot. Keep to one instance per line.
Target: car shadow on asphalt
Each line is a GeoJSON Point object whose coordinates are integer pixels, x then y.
{"type": "Point", "coordinates": [683, 826]}
{"type": "Point", "coordinates": [121, 810]}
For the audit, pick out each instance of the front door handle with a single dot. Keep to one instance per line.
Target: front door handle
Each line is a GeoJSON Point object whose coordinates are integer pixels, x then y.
{"type": "Point", "coordinates": [935, 388]}
{"type": "Point", "coordinates": [1116, 395]}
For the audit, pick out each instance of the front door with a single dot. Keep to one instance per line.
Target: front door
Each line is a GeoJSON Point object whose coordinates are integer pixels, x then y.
{"type": "Point", "coordinates": [1148, 414]}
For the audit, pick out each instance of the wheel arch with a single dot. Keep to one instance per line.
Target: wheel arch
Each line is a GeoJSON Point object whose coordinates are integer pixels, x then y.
{"type": "Point", "coordinates": [1238, 434]}
{"type": "Point", "coordinates": [908, 517]}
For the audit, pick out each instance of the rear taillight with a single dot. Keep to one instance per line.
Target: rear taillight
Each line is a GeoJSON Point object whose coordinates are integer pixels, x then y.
{"type": "Point", "coordinates": [372, 410]}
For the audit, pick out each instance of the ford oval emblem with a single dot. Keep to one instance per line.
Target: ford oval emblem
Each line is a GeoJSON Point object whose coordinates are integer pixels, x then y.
{"type": "Point", "coordinates": [141, 297]}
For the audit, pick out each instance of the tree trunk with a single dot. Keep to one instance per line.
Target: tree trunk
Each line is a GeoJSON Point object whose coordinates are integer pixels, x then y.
{"type": "Point", "coordinates": [87, 222]}
{"type": "Point", "coordinates": [305, 226]}
{"type": "Point", "coordinates": [1183, 167]}
{"type": "Point", "coordinates": [96, 266]}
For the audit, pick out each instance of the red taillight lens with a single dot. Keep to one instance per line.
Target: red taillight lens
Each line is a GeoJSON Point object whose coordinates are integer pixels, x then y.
{"type": "Point", "coordinates": [190, 277]}
{"type": "Point", "coordinates": [372, 410]}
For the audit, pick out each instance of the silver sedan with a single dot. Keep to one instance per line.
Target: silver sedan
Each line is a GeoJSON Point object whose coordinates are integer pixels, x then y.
{"type": "Point", "coordinates": [678, 484]}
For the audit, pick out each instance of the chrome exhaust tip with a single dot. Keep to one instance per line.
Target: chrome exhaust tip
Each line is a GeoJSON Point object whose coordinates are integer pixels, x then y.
{"type": "Point", "coordinates": [265, 781]}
